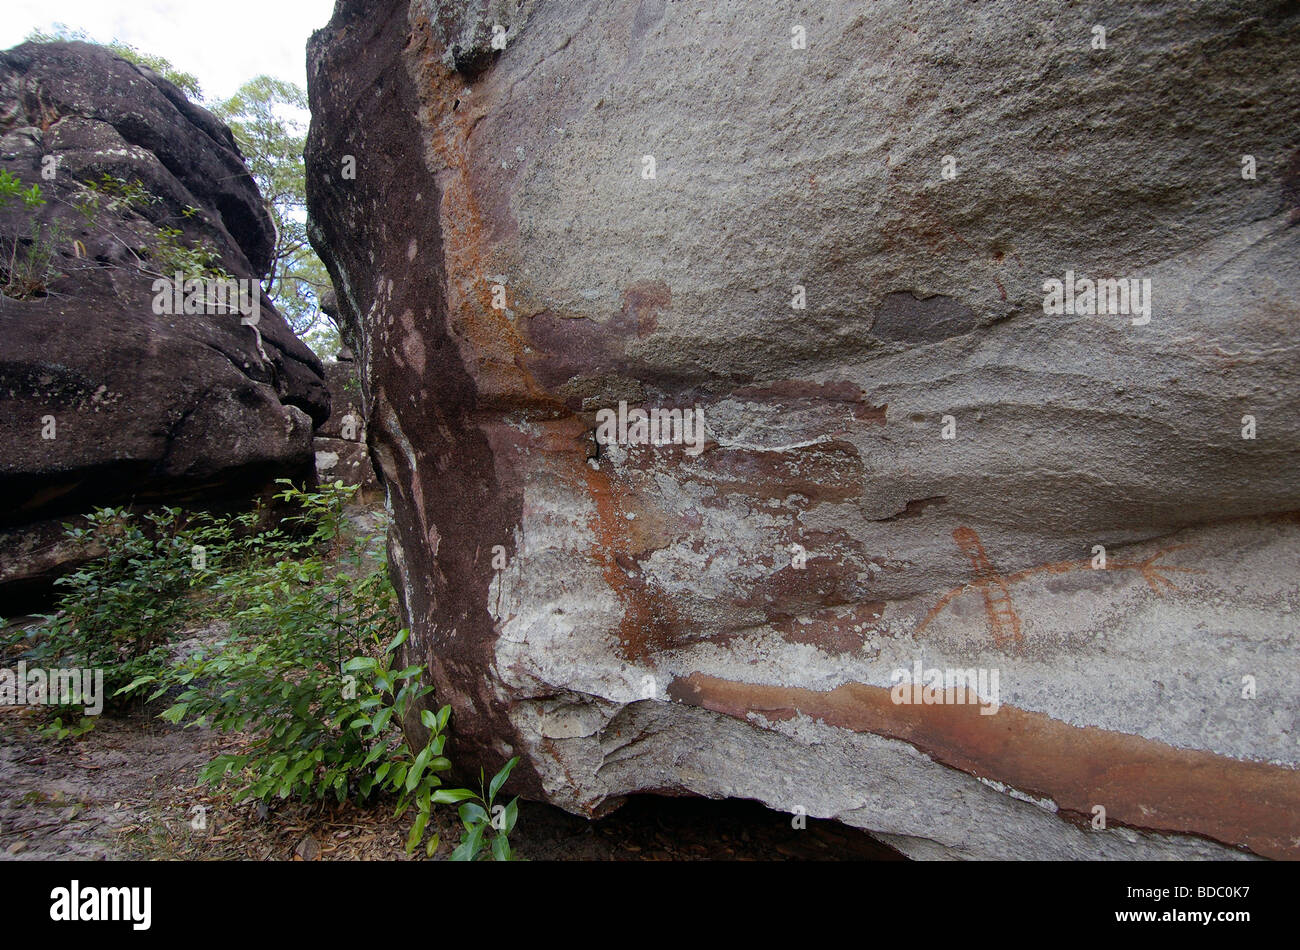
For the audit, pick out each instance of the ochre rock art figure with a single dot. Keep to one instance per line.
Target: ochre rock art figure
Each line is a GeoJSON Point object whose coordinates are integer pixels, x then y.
{"type": "Point", "coordinates": [1004, 621]}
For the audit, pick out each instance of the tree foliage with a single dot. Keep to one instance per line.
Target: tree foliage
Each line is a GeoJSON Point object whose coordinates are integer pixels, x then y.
{"type": "Point", "coordinates": [188, 83]}
{"type": "Point", "coordinates": [268, 118]}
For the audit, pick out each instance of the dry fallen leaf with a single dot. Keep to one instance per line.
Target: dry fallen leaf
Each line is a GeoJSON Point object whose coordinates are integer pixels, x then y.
{"type": "Point", "coordinates": [308, 849]}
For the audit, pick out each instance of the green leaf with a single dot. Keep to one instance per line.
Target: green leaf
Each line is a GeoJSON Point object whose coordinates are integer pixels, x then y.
{"type": "Point", "coordinates": [501, 848]}
{"type": "Point", "coordinates": [417, 831]}
{"type": "Point", "coordinates": [417, 769]}
{"type": "Point", "coordinates": [499, 779]}
{"type": "Point", "coordinates": [469, 845]}
{"type": "Point", "coordinates": [472, 813]}
{"type": "Point", "coordinates": [138, 681]}
{"type": "Point", "coordinates": [450, 796]}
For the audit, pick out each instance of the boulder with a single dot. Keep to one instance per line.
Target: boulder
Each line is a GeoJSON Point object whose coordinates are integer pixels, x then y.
{"type": "Point", "coordinates": [340, 443]}
{"type": "Point", "coordinates": [862, 248]}
{"type": "Point", "coordinates": [109, 392]}
{"type": "Point", "coordinates": [345, 461]}
{"type": "Point", "coordinates": [346, 419]}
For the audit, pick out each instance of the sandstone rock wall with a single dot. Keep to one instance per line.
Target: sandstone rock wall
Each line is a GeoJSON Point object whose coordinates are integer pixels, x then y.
{"type": "Point", "coordinates": [340, 443]}
{"type": "Point", "coordinates": [912, 457]}
{"type": "Point", "coordinates": [104, 400]}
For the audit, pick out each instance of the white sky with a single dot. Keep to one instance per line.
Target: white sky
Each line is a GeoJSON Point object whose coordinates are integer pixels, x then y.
{"type": "Point", "coordinates": [224, 44]}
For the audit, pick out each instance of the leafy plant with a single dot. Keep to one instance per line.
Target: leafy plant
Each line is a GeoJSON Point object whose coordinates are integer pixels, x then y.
{"type": "Point", "coordinates": [26, 265]}
{"type": "Point", "coordinates": [319, 727]}
{"type": "Point", "coordinates": [29, 266]}
{"type": "Point", "coordinates": [309, 672]}
{"type": "Point", "coordinates": [56, 730]}
{"type": "Point", "coordinates": [172, 254]}
{"type": "Point", "coordinates": [118, 611]}
{"type": "Point", "coordinates": [11, 187]}
{"type": "Point", "coordinates": [112, 194]}
{"type": "Point", "coordinates": [167, 248]}
{"type": "Point", "coordinates": [488, 825]}
{"type": "Point", "coordinates": [120, 193]}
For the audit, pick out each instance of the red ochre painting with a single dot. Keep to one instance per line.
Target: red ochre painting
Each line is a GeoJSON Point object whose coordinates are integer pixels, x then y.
{"type": "Point", "coordinates": [995, 588]}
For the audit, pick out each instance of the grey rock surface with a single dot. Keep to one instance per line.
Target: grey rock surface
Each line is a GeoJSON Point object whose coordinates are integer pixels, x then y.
{"type": "Point", "coordinates": [340, 443]}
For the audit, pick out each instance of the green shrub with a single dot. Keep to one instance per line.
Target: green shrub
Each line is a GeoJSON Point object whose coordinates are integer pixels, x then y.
{"type": "Point", "coordinates": [116, 195]}
{"type": "Point", "coordinates": [308, 672]}
{"type": "Point", "coordinates": [172, 254]}
{"type": "Point", "coordinates": [307, 669]}
{"type": "Point", "coordinates": [488, 825]}
{"type": "Point", "coordinates": [27, 264]}
{"type": "Point", "coordinates": [166, 248]}
{"type": "Point", "coordinates": [11, 188]}
{"type": "Point", "coordinates": [118, 611]}
{"type": "Point", "coordinates": [144, 578]}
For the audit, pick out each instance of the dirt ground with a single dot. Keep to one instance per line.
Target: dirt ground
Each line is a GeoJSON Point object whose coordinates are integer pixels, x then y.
{"type": "Point", "coordinates": [128, 789]}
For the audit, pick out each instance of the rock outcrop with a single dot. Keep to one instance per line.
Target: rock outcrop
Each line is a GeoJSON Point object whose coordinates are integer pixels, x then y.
{"type": "Point", "coordinates": [341, 451]}
{"type": "Point", "coordinates": [836, 235]}
{"type": "Point", "coordinates": [108, 394]}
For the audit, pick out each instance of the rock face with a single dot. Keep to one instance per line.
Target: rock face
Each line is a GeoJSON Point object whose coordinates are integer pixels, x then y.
{"type": "Point", "coordinates": [835, 234]}
{"type": "Point", "coordinates": [103, 399]}
{"type": "Point", "coordinates": [341, 451]}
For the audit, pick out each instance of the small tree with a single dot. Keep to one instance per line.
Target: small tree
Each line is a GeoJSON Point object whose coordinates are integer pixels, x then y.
{"type": "Point", "coordinates": [268, 118]}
